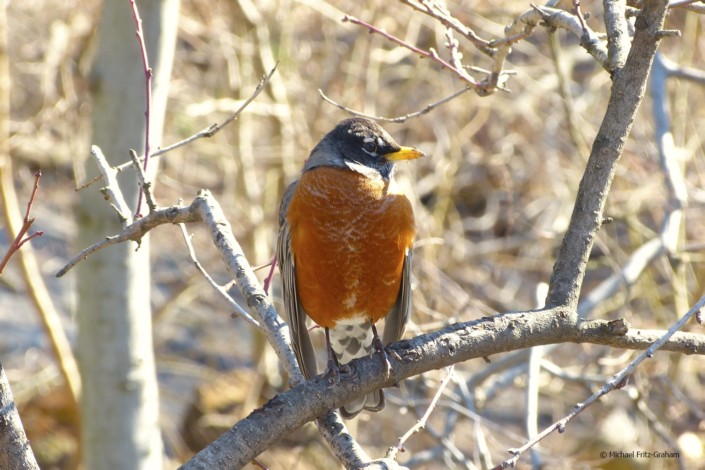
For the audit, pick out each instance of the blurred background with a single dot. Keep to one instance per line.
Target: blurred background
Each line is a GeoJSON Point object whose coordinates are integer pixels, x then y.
{"type": "Point", "coordinates": [492, 201]}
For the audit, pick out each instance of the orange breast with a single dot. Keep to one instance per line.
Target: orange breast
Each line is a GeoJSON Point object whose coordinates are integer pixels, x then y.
{"type": "Point", "coordinates": [349, 235]}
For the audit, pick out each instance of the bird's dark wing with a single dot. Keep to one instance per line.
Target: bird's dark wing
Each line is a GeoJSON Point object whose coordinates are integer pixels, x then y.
{"type": "Point", "coordinates": [395, 322]}
{"type": "Point", "coordinates": [296, 316]}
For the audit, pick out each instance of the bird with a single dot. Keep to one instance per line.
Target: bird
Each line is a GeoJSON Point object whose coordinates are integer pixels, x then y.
{"type": "Point", "coordinates": [345, 248]}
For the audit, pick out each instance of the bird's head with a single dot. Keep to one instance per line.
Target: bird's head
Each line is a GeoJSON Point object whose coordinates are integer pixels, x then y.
{"type": "Point", "coordinates": [360, 145]}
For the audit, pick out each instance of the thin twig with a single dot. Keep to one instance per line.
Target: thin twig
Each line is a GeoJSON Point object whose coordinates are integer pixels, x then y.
{"type": "Point", "coordinates": [661, 430]}
{"type": "Point", "coordinates": [35, 187]}
{"type": "Point", "coordinates": [270, 274]}
{"type": "Point", "coordinates": [35, 286]}
{"type": "Point", "coordinates": [397, 119]}
{"type": "Point", "coordinates": [579, 14]}
{"type": "Point", "coordinates": [392, 451]}
{"type": "Point", "coordinates": [616, 382]}
{"type": "Point", "coordinates": [20, 239]}
{"type": "Point", "coordinates": [564, 81]}
{"type": "Point", "coordinates": [112, 188]}
{"type": "Point", "coordinates": [220, 289]}
{"type": "Point", "coordinates": [208, 132]}
{"type": "Point", "coordinates": [438, 12]}
{"type": "Point", "coordinates": [148, 97]}
{"type": "Point", "coordinates": [686, 73]}
{"type": "Point", "coordinates": [145, 186]}
{"type": "Point", "coordinates": [259, 464]}
{"type": "Point", "coordinates": [682, 3]}
{"type": "Point", "coordinates": [460, 72]}
{"type": "Point", "coordinates": [533, 386]}
{"type": "Point", "coordinates": [555, 18]}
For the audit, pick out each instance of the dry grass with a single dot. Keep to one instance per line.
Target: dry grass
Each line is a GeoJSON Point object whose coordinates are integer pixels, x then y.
{"type": "Point", "coordinates": [492, 201]}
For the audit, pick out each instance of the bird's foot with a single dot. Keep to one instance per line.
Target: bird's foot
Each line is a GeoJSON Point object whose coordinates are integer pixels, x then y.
{"type": "Point", "coordinates": [333, 371]}
{"type": "Point", "coordinates": [379, 347]}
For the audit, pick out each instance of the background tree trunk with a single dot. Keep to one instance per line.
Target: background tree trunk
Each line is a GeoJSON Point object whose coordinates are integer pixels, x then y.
{"type": "Point", "coordinates": [120, 400]}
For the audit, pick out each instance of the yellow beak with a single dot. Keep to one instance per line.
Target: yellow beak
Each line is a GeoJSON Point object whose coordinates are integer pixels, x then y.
{"type": "Point", "coordinates": [404, 153]}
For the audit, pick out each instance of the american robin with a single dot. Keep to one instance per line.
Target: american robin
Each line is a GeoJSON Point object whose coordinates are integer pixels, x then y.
{"type": "Point", "coordinates": [344, 248]}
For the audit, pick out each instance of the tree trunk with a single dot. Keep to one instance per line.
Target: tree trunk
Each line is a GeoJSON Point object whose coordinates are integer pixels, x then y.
{"type": "Point", "coordinates": [120, 404]}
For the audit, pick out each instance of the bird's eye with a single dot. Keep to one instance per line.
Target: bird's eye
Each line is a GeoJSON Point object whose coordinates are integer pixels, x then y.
{"type": "Point", "coordinates": [370, 147]}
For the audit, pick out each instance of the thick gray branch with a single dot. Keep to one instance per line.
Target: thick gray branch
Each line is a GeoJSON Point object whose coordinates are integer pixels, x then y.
{"type": "Point", "coordinates": [451, 345]}
{"type": "Point", "coordinates": [629, 84]}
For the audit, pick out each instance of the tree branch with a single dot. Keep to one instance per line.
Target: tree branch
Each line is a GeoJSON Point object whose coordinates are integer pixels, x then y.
{"type": "Point", "coordinates": [206, 209]}
{"type": "Point", "coordinates": [437, 11]}
{"type": "Point", "coordinates": [419, 425]}
{"type": "Point", "coordinates": [523, 26]}
{"type": "Point", "coordinates": [618, 380]}
{"type": "Point", "coordinates": [470, 82]}
{"type": "Point", "coordinates": [396, 119]}
{"type": "Point", "coordinates": [629, 85]}
{"type": "Point", "coordinates": [20, 238]}
{"type": "Point", "coordinates": [147, 98]}
{"type": "Point", "coordinates": [208, 132]}
{"type": "Point", "coordinates": [237, 309]}
{"type": "Point", "coordinates": [450, 345]}
{"type": "Point", "coordinates": [111, 191]}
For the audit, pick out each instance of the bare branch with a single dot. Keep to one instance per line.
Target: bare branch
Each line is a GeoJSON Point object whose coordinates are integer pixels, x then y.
{"type": "Point", "coordinates": [686, 73]}
{"type": "Point", "coordinates": [20, 238]}
{"type": "Point", "coordinates": [579, 15]}
{"type": "Point", "coordinates": [209, 131]}
{"type": "Point", "coordinates": [555, 18]}
{"type": "Point", "coordinates": [667, 241]}
{"type": "Point", "coordinates": [112, 188]}
{"type": "Point", "coordinates": [627, 92]}
{"type": "Point", "coordinates": [137, 230]}
{"type": "Point", "coordinates": [480, 88]}
{"type": "Point", "coordinates": [673, 175]}
{"type": "Point", "coordinates": [205, 209]}
{"type": "Point", "coordinates": [398, 119]}
{"type": "Point", "coordinates": [691, 5]}
{"type": "Point", "coordinates": [147, 97]}
{"type": "Point", "coordinates": [419, 425]}
{"type": "Point", "coordinates": [145, 186]}
{"type": "Point", "coordinates": [218, 288]}
{"type": "Point", "coordinates": [617, 381]}
{"type": "Point", "coordinates": [439, 12]}
{"type": "Point", "coordinates": [450, 345]}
